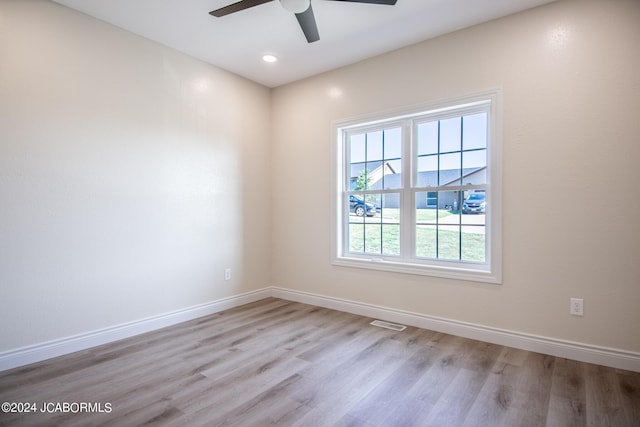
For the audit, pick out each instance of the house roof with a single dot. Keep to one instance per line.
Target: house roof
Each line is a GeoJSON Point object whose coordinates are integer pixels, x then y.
{"type": "Point", "coordinates": [441, 178]}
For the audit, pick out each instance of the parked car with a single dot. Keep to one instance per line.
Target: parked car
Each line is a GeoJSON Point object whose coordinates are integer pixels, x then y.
{"type": "Point", "coordinates": [358, 206]}
{"type": "Point", "coordinates": [475, 203]}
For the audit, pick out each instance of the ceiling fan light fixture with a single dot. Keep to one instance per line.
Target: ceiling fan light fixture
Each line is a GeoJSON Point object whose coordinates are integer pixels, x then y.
{"type": "Point", "coordinates": [296, 6]}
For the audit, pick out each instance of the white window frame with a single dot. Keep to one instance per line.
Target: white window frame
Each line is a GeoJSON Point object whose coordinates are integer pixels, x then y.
{"type": "Point", "coordinates": [489, 271]}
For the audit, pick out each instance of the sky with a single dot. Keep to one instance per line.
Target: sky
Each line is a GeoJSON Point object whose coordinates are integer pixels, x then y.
{"type": "Point", "coordinates": [463, 142]}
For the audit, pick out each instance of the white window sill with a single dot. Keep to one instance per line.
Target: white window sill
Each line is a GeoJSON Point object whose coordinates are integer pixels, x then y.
{"type": "Point", "coordinates": [449, 272]}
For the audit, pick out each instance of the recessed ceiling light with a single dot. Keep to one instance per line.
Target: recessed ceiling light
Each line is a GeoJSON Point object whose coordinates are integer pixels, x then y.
{"type": "Point", "coordinates": [269, 58]}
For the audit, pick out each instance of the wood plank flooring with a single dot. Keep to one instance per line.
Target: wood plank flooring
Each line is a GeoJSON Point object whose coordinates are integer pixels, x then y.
{"type": "Point", "coordinates": [282, 363]}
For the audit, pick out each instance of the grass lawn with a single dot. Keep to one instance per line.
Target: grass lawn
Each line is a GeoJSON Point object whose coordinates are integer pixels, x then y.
{"type": "Point", "coordinates": [450, 244]}
{"type": "Point", "coordinates": [380, 235]}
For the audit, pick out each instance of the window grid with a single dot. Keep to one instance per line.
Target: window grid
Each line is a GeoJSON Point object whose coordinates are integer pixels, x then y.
{"type": "Point", "coordinates": [418, 201]}
{"type": "Point", "coordinates": [373, 234]}
{"type": "Point", "coordinates": [440, 228]}
{"type": "Point", "coordinates": [458, 189]}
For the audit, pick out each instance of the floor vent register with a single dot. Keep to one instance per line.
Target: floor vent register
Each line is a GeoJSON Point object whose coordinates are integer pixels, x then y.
{"type": "Point", "coordinates": [388, 325]}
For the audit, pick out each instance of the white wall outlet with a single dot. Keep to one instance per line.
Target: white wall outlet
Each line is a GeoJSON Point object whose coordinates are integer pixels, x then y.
{"type": "Point", "coordinates": [227, 274]}
{"type": "Point", "coordinates": [577, 307]}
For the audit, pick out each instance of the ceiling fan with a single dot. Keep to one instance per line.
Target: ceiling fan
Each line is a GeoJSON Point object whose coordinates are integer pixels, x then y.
{"type": "Point", "coordinates": [301, 8]}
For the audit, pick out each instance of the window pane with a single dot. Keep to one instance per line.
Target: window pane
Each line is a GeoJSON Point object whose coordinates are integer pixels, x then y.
{"type": "Point", "coordinates": [372, 180]}
{"type": "Point", "coordinates": [473, 228]}
{"type": "Point", "coordinates": [427, 138]}
{"type": "Point", "coordinates": [392, 178]}
{"type": "Point", "coordinates": [391, 239]}
{"type": "Point", "coordinates": [474, 131]}
{"type": "Point", "coordinates": [427, 171]}
{"type": "Point", "coordinates": [427, 203]}
{"type": "Point", "coordinates": [393, 143]}
{"type": "Point", "coordinates": [450, 135]}
{"type": "Point", "coordinates": [392, 172]}
{"type": "Point", "coordinates": [374, 223]}
{"type": "Point", "coordinates": [374, 207]}
{"type": "Point", "coordinates": [357, 169]}
{"type": "Point", "coordinates": [449, 242]}
{"type": "Point", "coordinates": [373, 239]}
{"type": "Point", "coordinates": [474, 167]}
{"type": "Point", "coordinates": [390, 208]}
{"type": "Point", "coordinates": [450, 169]}
{"type": "Point", "coordinates": [474, 203]}
{"type": "Point", "coordinates": [449, 227]}
{"type": "Point", "coordinates": [444, 232]}
{"type": "Point", "coordinates": [356, 237]}
{"type": "Point", "coordinates": [388, 176]}
{"type": "Point", "coordinates": [426, 218]}
{"type": "Point", "coordinates": [376, 160]}
{"type": "Point", "coordinates": [426, 241]}
{"type": "Point", "coordinates": [374, 146]}
{"type": "Point", "coordinates": [473, 244]}
{"type": "Point", "coordinates": [359, 208]}
{"type": "Point", "coordinates": [357, 148]}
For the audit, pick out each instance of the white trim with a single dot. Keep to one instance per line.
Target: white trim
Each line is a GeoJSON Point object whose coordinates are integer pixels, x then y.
{"type": "Point", "coordinates": [489, 271]}
{"type": "Point", "coordinates": [605, 356]}
{"type": "Point", "coordinates": [47, 350]}
{"type": "Point", "coordinates": [436, 107]}
{"type": "Point", "coordinates": [436, 269]}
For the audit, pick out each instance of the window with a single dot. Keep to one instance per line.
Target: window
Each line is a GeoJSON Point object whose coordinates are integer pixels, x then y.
{"type": "Point", "coordinates": [419, 191]}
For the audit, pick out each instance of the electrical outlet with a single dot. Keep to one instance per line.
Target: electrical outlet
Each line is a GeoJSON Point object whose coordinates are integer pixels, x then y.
{"type": "Point", "coordinates": [577, 307]}
{"type": "Point", "coordinates": [227, 274]}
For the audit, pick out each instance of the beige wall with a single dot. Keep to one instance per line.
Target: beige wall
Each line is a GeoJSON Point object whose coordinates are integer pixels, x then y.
{"type": "Point", "coordinates": [130, 177]}
{"type": "Point", "coordinates": [571, 90]}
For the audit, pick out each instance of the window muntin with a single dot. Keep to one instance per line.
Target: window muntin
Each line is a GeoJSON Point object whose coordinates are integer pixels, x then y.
{"type": "Point", "coordinates": [375, 228]}
{"type": "Point", "coordinates": [422, 173]}
{"type": "Point", "coordinates": [374, 170]}
{"type": "Point", "coordinates": [373, 156]}
{"type": "Point", "coordinates": [451, 157]}
{"type": "Point", "coordinates": [446, 233]}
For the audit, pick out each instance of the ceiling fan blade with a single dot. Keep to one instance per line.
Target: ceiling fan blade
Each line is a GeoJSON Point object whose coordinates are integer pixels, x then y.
{"type": "Point", "coordinates": [389, 2]}
{"type": "Point", "coordinates": [308, 24]}
{"type": "Point", "coordinates": [237, 7]}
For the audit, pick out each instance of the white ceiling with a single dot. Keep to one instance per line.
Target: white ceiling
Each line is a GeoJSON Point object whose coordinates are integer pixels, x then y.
{"type": "Point", "coordinates": [349, 32]}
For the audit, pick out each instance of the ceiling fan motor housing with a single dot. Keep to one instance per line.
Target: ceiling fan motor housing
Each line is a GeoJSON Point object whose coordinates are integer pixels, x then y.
{"type": "Point", "coordinates": [296, 6]}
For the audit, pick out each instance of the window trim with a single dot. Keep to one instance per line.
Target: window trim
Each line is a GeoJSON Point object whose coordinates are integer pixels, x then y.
{"type": "Point", "coordinates": [489, 272]}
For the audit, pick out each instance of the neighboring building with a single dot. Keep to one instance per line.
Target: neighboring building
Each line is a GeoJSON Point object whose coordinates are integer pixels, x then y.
{"type": "Point", "coordinates": [385, 175]}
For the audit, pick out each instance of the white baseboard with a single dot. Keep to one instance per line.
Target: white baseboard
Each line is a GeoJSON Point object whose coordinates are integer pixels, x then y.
{"type": "Point", "coordinates": [39, 352]}
{"type": "Point", "coordinates": [611, 357]}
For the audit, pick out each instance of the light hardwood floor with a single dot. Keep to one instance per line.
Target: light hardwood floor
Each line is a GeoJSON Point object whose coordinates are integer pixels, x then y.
{"type": "Point", "coordinates": [276, 362]}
